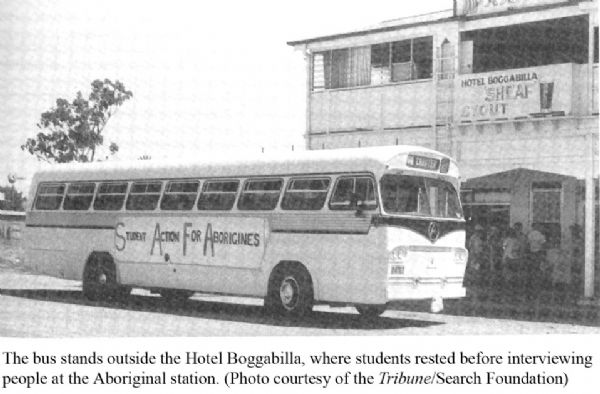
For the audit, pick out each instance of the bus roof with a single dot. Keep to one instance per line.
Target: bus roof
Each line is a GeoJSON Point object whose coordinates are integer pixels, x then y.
{"type": "Point", "coordinates": [372, 159]}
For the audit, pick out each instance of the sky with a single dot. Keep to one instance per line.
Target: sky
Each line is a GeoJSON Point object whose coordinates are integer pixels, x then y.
{"type": "Point", "coordinates": [206, 76]}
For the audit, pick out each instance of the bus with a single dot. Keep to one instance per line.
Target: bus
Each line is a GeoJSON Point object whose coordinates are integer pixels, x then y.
{"type": "Point", "coordinates": [361, 227]}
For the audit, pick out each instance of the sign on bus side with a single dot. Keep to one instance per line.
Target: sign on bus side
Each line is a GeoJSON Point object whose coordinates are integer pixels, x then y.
{"type": "Point", "coordinates": [182, 240]}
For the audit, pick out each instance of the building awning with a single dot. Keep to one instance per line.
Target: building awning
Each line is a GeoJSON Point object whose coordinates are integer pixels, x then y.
{"type": "Point", "coordinates": [507, 179]}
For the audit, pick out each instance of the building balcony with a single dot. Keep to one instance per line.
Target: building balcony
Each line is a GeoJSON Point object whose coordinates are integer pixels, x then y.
{"type": "Point", "coordinates": [560, 90]}
{"type": "Point", "coordinates": [380, 107]}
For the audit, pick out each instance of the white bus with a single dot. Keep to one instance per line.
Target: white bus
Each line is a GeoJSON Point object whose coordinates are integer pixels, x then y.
{"type": "Point", "coordinates": [358, 227]}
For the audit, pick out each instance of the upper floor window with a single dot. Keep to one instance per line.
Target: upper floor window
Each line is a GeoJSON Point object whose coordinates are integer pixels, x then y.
{"type": "Point", "coordinates": [305, 194]}
{"type": "Point", "coordinates": [49, 196]}
{"type": "Point", "coordinates": [596, 44]}
{"type": "Point", "coordinates": [373, 65]}
{"type": "Point", "coordinates": [218, 195]}
{"type": "Point", "coordinates": [342, 68]}
{"type": "Point", "coordinates": [110, 196]}
{"type": "Point", "coordinates": [79, 196]}
{"type": "Point", "coordinates": [180, 196]}
{"type": "Point", "coordinates": [260, 194]}
{"type": "Point", "coordinates": [555, 41]}
{"type": "Point", "coordinates": [402, 60]}
{"type": "Point", "coordinates": [143, 196]}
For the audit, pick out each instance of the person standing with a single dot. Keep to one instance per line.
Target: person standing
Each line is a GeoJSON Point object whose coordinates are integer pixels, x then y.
{"type": "Point", "coordinates": [494, 258]}
{"type": "Point", "coordinates": [476, 258]}
{"type": "Point", "coordinates": [538, 276]}
{"type": "Point", "coordinates": [511, 261]}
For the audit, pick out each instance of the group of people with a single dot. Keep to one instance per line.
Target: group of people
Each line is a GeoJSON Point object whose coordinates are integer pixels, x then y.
{"type": "Point", "coordinates": [509, 259]}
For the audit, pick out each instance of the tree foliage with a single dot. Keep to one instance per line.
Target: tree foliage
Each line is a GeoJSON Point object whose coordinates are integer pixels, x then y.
{"type": "Point", "coordinates": [13, 199]}
{"type": "Point", "coordinates": [72, 131]}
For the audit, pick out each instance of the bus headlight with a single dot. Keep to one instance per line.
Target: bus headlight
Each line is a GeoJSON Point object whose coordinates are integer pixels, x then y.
{"type": "Point", "coordinates": [398, 254]}
{"type": "Point", "coordinates": [460, 256]}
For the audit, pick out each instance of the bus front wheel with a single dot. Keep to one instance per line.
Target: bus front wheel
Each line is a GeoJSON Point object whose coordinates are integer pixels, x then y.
{"type": "Point", "coordinates": [100, 280]}
{"type": "Point", "coordinates": [370, 310]}
{"type": "Point", "coordinates": [290, 291]}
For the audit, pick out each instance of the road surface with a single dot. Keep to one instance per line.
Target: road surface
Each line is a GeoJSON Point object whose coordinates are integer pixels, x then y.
{"type": "Point", "coordinates": [39, 306]}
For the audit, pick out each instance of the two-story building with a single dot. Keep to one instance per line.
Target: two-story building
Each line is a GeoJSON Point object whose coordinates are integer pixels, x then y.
{"type": "Point", "coordinates": [509, 88]}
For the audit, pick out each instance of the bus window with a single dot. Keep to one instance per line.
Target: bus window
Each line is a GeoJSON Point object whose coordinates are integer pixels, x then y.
{"type": "Point", "coordinates": [260, 195]}
{"type": "Point", "coordinates": [218, 195]}
{"type": "Point", "coordinates": [79, 196]}
{"type": "Point", "coordinates": [420, 196]}
{"type": "Point", "coordinates": [49, 196]}
{"type": "Point", "coordinates": [179, 195]}
{"type": "Point", "coordinates": [143, 196]}
{"type": "Point", "coordinates": [110, 196]}
{"type": "Point", "coordinates": [305, 194]}
{"type": "Point", "coordinates": [361, 188]}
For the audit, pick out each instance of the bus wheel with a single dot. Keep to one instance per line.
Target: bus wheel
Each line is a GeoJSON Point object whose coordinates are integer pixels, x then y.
{"type": "Point", "coordinates": [175, 296]}
{"type": "Point", "coordinates": [100, 279]}
{"type": "Point", "coordinates": [370, 310]}
{"type": "Point", "coordinates": [290, 291]}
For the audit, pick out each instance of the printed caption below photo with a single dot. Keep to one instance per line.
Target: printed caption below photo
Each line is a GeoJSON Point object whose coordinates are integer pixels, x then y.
{"type": "Point", "coordinates": [288, 368]}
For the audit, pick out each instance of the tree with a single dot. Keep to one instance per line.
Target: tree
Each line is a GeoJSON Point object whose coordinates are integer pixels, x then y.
{"type": "Point", "coordinates": [73, 130]}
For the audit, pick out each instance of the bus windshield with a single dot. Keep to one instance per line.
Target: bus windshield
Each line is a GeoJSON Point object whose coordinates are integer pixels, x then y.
{"type": "Point", "coordinates": [419, 196]}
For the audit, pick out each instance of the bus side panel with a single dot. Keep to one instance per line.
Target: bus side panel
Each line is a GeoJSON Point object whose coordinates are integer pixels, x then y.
{"type": "Point", "coordinates": [347, 268]}
{"type": "Point", "coordinates": [63, 252]}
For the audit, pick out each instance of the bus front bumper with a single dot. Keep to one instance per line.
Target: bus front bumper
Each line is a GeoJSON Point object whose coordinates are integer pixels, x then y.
{"type": "Point", "coordinates": [424, 288]}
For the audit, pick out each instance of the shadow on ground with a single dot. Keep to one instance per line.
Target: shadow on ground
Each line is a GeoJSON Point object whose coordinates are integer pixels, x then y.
{"type": "Point", "coordinates": [547, 309]}
{"type": "Point", "coordinates": [240, 313]}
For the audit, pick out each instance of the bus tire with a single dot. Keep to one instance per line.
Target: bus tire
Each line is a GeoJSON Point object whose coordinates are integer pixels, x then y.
{"type": "Point", "coordinates": [290, 291]}
{"type": "Point", "coordinates": [100, 279]}
{"type": "Point", "coordinates": [371, 311]}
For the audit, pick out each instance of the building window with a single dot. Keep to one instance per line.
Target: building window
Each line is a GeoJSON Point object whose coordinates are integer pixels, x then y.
{"type": "Point", "coordinates": [402, 60]}
{"type": "Point", "coordinates": [342, 68]}
{"type": "Point", "coordinates": [373, 65]}
{"type": "Point", "coordinates": [556, 41]}
{"type": "Point", "coordinates": [596, 44]}
{"type": "Point", "coordinates": [545, 210]}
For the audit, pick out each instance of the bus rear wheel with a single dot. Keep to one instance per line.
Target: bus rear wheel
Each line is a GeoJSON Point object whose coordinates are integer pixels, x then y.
{"type": "Point", "coordinates": [371, 311]}
{"type": "Point", "coordinates": [290, 291]}
{"type": "Point", "coordinates": [100, 280]}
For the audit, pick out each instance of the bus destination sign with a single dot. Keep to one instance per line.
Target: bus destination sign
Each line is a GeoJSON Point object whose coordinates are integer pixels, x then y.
{"type": "Point", "coordinates": [423, 162]}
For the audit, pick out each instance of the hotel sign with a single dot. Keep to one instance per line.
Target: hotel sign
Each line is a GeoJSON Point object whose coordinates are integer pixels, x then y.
{"type": "Point", "coordinates": [510, 94]}
{"type": "Point", "coordinates": [478, 7]}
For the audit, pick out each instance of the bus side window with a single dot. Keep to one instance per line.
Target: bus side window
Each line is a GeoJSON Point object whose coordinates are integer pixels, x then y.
{"type": "Point", "coordinates": [143, 196]}
{"type": "Point", "coordinates": [361, 188]}
{"type": "Point", "coordinates": [305, 194]}
{"type": "Point", "coordinates": [260, 195]}
{"type": "Point", "coordinates": [218, 195]}
{"type": "Point", "coordinates": [79, 196]}
{"type": "Point", "coordinates": [49, 196]}
{"type": "Point", "coordinates": [179, 195]}
{"type": "Point", "coordinates": [110, 196]}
